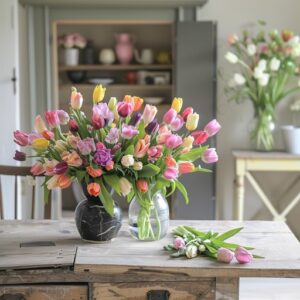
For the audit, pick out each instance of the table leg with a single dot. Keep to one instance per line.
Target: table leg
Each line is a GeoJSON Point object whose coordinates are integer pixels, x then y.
{"type": "Point", "coordinates": [239, 197]}
{"type": "Point", "coordinates": [227, 288]}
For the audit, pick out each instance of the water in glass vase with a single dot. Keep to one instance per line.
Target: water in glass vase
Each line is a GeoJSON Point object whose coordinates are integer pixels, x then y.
{"type": "Point", "coordinates": [149, 220]}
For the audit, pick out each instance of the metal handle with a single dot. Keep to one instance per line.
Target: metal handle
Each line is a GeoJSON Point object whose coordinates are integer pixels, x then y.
{"type": "Point", "coordinates": [158, 295]}
{"type": "Point", "coordinates": [17, 296]}
{"type": "Point", "coordinates": [14, 80]}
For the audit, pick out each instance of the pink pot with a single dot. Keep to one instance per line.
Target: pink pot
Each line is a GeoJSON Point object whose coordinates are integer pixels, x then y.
{"type": "Point", "coordinates": [124, 48]}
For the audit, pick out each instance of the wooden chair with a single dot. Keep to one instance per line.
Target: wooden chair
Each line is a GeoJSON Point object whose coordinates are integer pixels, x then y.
{"type": "Point", "coordinates": [21, 172]}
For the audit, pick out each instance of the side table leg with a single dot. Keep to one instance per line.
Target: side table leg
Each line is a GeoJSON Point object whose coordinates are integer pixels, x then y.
{"type": "Point", "coordinates": [227, 288]}
{"type": "Point", "coordinates": [239, 197]}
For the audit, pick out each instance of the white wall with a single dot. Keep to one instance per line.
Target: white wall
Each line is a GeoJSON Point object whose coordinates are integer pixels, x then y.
{"type": "Point", "coordinates": [233, 16]}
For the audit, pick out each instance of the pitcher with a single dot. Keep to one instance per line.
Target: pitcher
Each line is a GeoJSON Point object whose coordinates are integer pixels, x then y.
{"type": "Point", "coordinates": [124, 47]}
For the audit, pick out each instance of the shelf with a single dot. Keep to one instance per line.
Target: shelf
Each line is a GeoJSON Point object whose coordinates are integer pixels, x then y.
{"type": "Point", "coordinates": [63, 68]}
{"type": "Point", "coordinates": [121, 86]}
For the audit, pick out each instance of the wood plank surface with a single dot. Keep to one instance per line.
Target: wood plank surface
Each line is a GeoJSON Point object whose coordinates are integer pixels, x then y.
{"type": "Point", "coordinates": [204, 289]}
{"type": "Point", "coordinates": [44, 292]}
{"type": "Point", "coordinates": [265, 155]}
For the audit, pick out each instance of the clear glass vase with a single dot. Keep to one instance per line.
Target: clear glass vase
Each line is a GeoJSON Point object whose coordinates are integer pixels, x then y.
{"type": "Point", "coordinates": [262, 133]}
{"type": "Point", "coordinates": [149, 217]}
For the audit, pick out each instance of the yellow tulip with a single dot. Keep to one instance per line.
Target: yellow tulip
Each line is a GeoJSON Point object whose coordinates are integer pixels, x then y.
{"type": "Point", "coordinates": [60, 146]}
{"type": "Point", "coordinates": [177, 104]}
{"type": "Point", "coordinates": [112, 103]}
{"type": "Point", "coordinates": [40, 144]}
{"type": "Point", "coordinates": [192, 121]}
{"type": "Point", "coordinates": [98, 94]}
{"type": "Point", "coordinates": [187, 142]}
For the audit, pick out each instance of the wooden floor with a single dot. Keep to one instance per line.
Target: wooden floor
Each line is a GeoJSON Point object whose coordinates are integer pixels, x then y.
{"type": "Point", "coordinates": [270, 289]}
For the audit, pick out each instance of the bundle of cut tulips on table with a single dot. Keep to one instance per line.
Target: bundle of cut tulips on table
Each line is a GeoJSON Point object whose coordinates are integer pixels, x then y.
{"type": "Point", "coordinates": [121, 148]}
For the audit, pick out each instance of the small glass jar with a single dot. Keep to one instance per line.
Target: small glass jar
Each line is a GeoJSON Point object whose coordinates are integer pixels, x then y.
{"type": "Point", "coordinates": [149, 219]}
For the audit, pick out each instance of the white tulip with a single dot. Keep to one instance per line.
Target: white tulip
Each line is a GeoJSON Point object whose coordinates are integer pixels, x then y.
{"type": "Point", "coordinates": [274, 64]}
{"type": "Point", "coordinates": [231, 57]}
{"type": "Point", "coordinates": [262, 64]}
{"type": "Point", "coordinates": [239, 79]}
{"type": "Point", "coordinates": [258, 72]}
{"type": "Point", "coordinates": [296, 50]}
{"type": "Point", "coordinates": [127, 160]}
{"type": "Point", "coordinates": [251, 49]}
{"type": "Point", "coordinates": [191, 251]}
{"type": "Point", "coordinates": [294, 40]}
{"type": "Point", "coordinates": [264, 79]}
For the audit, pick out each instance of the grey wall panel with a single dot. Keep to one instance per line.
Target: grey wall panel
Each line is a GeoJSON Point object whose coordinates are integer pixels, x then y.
{"type": "Point", "coordinates": [195, 83]}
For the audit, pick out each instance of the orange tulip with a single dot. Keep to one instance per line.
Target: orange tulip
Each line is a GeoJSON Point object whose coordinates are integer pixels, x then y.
{"type": "Point", "coordinates": [39, 124]}
{"type": "Point", "coordinates": [142, 147]}
{"type": "Point", "coordinates": [72, 159]}
{"type": "Point", "coordinates": [52, 183]}
{"type": "Point", "coordinates": [186, 167]}
{"type": "Point", "coordinates": [138, 102]}
{"type": "Point", "coordinates": [170, 161]}
{"type": "Point", "coordinates": [94, 189]}
{"type": "Point", "coordinates": [142, 185]}
{"type": "Point", "coordinates": [64, 181]}
{"type": "Point", "coordinates": [94, 172]}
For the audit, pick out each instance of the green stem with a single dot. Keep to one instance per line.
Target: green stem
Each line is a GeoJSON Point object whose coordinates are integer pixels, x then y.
{"type": "Point", "coordinates": [158, 229]}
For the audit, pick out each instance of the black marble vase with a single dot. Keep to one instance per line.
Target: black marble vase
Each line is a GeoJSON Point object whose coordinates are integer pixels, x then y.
{"type": "Point", "coordinates": [94, 224]}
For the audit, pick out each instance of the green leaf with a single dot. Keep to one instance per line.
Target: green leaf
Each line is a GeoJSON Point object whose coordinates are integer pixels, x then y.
{"type": "Point", "coordinates": [129, 150]}
{"type": "Point", "coordinates": [173, 187]}
{"type": "Point", "coordinates": [224, 236]}
{"type": "Point", "coordinates": [194, 154]}
{"type": "Point", "coordinates": [80, 175]}
{"type": "Point", "coordinates": [200, 169]}
{"type": "Point", "coordinates": [130, 196]}
{"type": "Point", "coordinates": [257, 256]}
{"type": "Point", "coordinates": [149, 171]}
{"type": "Point", "coordinates": [195, 231]}
{"type": "Point", "coordinates": [183, 191]}
{"type": "Point", "coordinates": [229, 245]}
{"type": "Point", "coordinates": [46, 194]}
{"type": "Point", "coordinates": [114, 182]}
{"type": "Point", "coordinates": [141, 130]}
{"type": "Point", "coordinates": [106, 198]}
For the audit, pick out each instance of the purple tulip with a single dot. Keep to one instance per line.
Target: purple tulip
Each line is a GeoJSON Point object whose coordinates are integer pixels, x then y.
{"type": "Point", "coordinates": [225, 255]}
{"type": "Point", "coordinates": [242, 255]}
{"type": "Point", "coordinates": [32, 136]}
{"type": "Point", "coordinates": [63, 117]}
{"type": "Point", "coordinates": [171, 173]}
{"type": "Point", "coordinates": [177, 123]}
{"type": "Point", "coordinates": [212, 128]}
{"type": "Point", "coordinates": [170, 116]}
{"type": "Point", "coordinates": [135, 119]}
{"type": "Point", "coordinates": [86, 146]}
{"type": "Point", "coordinates": [21, 138]}
{"type": "Point", "coordinates": [173, 141]}
{"type": "Point", "coordinates": [113, 136]}
{"type": "Point", "coordinates": [20, 156]}
{"type": "Point", "coordinates": [61, 168]}
{"type": "Point", "coordinates": [152, 127]}
{"type": "Point", "coordinates": [115, 148]}
{"type": "Point", "coordinates": [210, 156]}
{"type": "Point", "coordinates": [128, 131]}
{"type": "Point", "coordinates": [102, 116]}
{"type": "Point", "coordinates": [102, 157]}
{"type": "Point", "coordinates": [179, 243]}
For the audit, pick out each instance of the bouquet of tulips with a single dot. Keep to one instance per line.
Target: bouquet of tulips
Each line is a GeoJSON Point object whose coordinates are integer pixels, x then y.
{"type": "Point", "coordinates": [120, 148]}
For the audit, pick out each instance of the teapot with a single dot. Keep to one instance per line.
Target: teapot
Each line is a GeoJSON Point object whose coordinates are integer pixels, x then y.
{"type": "Point", "coordinates": [146, 56]}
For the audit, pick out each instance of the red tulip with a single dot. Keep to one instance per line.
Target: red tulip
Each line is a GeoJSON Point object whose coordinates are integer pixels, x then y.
{"type": "Point", "coordinates": [186, 112]}
{"type": "Point", "coordinates": [200, 137]}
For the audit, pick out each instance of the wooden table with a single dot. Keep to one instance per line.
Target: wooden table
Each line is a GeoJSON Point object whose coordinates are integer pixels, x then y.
{"type": "Point", "coordinates": [249, 161]}
{"type": "Point", "coordinates": [47, 260]}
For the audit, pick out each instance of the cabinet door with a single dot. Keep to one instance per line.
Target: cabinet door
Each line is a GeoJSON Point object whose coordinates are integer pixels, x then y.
{"type": "Point", "coordinates": [195, 83]}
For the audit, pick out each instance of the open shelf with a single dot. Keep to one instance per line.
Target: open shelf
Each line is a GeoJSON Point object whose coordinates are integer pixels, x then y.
{"type": "Point", "coordinates": [63, 68]}
{"type": "Point", "coordinates": [122, 86]}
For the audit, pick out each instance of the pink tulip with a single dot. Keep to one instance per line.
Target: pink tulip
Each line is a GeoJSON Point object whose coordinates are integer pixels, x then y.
{"type": "Point", "coordinates": [76, 99]}
{"type": "Point", "coordinates": [177, 123]}
{"type": "Point", "coordinates": [37, 169]}
{"type": "Point", "coordinates": [173, 141]}
{"type": "Point", "coordinates": [210, 156]}
{"type": "Point", "coordinates": [242, 255]}
{"type": "Point", "coordinates": [171, 173]}
{"type": "Point", "coordinates": [21, 138]}
{"type": "Point", "coordinates": [149, 113]}
{"type": "Point", "coordinates": [170, 116]}
{"type": "Point", "coordinates": [212, 128]}
{"type": "Point", "coordinates": [39, 124]}
{"type": "Point", "coordinates": [232, 39]}
{"type": "Point", "coordinates": [186, 113]}
{"type": "Point", "coordinates": [154, 152]}
{"type": "Point", "coordinates": [125, 109]}
{"type": "Point", "coordinates": [179, 243]}
{"type": "Point", "coordinates": [128, 131]}
{"type": "Point", "coordinates": [52, 118]}
{"type": "Point", "coordinates": [225, 255]}
{"type": "Point", "coordinates": [50, 167]}
{"type": "Point", "coordinates": [73, 126]}
{"type": "Point", "coordinates": [63, 117]}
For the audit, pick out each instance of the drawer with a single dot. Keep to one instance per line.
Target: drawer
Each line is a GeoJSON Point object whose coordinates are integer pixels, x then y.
{"type": "Point", "coordinates": [43, 292]}
{"type": "Point", "coordinates": [204, 289]}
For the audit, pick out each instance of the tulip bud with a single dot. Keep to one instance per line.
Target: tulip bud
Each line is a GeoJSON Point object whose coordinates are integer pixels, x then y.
{"type": "Point", "coordinates": [137, 166]}
{"type": "Point", "coordinates": [188, 142]}
{"type": "Point", "coordinates": [200, 137]}
{"type": "Point", "coordinates": [242, 255]}
{"type": "Point", "coordinates": [73, 126]}
{"type": "Point", "coordinates": [186, 112]}
{"type": "Point", "coordinates": [37, 169]}
{"type": "Point", "coordinates": [63, 117]}
{"type": "Point", "coordinates": [61, 168]}
{"type": "Point", "coordinates": [39, 124]}
{"type": "Point", "coordinates": [186, 167]}
{"type": "Point", "coordinates": [171, 173]}
{"type": "Point", "coordinates": [40, 144]}
{"type": "Point", "coordinates": [202, 248]}
{"type": "Point", "coordinates": [98, 93]}
{"type": "Point", "coordinates": [135, 119]}
{"type": "Point", "coordinates": [52, 118]}
{"type": "Point", "coordinates": [149, 113]}
{"type": "Point", "coordinates": [173, 141]}
{"type": "Point", "coordinates": [177, 104]}
{"type": "Point", "coordinates": [191, 251]}
{"type": "Point", "coordinates": [192, 121]}
{"type": "Point", "coordinates": [142, 185]}
{"type": "Point", "coordinates": [125, 109]}
{"type": "Point", "coordinates": [48, 135]}
{"type": "Point", "coordinates": [20, 156]}
{"type": "Point", "coordinates": [210, 156]}
{"type": "Point", "coordinates": [76, 99]}
{"type": "Point", "coordinates": [21, 138]}
{"type": "Point", "coordinates": [94, 189]}
{"type": "Point", "coordinates": [152, 127]}
{"type": "Point", "coordinates": [225, 255]}
{"type": "Point", "coordinates": [112, 103]}
{"type": "Point", "coordinates": [170, 116]}
{"type": "Point", "coordinates": [60, 146]}
{"type": "Point", "coordinates": [179, 243]}
{"type": "Point", "coordinates": [177, 123]}
{"type": "Point", "coordinates": [127, 161]}
{"type": "Point", "coordinates": [212, 128]}
{"type": "Point", "coordinates": [125, 186]}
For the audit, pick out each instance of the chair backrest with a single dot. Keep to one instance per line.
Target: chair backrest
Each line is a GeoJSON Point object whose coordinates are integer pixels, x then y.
{"type": "Point", "coordinates": [21, 172]}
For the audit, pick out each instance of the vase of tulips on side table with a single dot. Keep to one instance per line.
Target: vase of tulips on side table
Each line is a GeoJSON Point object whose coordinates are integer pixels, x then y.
{"type": "Point", "coordinates": [267, 69]}
{"type": "Point", "coordinates": [123, 149]}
